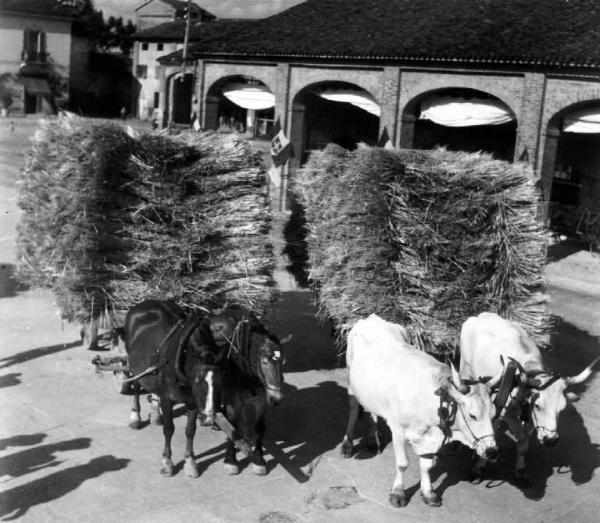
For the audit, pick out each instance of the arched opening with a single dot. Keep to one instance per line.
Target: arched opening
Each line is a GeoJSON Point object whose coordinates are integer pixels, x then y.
{"type": "Point", "coordinates": [463, 120]}
{"type": "Point", "coordinates": [241, 104]}
{"type": "Point", "coordinates": [333, 112]}
{"type": "Point", "coordinates": [575, 187]}
{"type": "Point", "coordinates": [180, 93]}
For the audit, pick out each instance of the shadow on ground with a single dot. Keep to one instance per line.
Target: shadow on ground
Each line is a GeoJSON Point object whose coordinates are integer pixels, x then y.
{"type": "Point", "coordinates": [296, 248]}
{"type": "Point", "coordinates": [310, 422]}
{"type": "Point", "coordinates": [32, 354]}
{"type": "Point", "coordinates": [15, 502]}
{"type": "Point", "coordinates": [39, 457]}
{"type": "Point", "coordinates": [565, 248]}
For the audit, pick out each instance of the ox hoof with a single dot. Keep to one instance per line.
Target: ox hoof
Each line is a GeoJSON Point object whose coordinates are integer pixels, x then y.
{"type": "Point", "coordinates": [398, 499]}
{"type": "Point", "coordinates": [156, 420]}
{"type": "Point", "coordinates": [476, 476]}
{"type": "Point", "coordinates": [431, 499]}
{"type": "Point", "coordinates": [259, 470]}
{"type": "Point", "coordinates": [190, 469]}
{"type": "Point", "coordinates": [135, 424]}
{"type": "Point", "coordinates": [232, 469]}
{"type": "Point", "coordinates": [522, 478]}
{"type": "Point", "coordinates": [346, 450]}
{"type": "Point", "coordinates": [167, 468]}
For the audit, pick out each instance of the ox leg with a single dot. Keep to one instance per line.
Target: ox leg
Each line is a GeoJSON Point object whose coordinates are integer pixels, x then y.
{"type": "Point", "coordinates": [521, 475]}
{"type": "Point", "coordinates": [168, 429]}
{"type": "Point", "coordinates": [189, 467]}
{"type": "Point", "coordinates": [155, 415]}
{"type": "Point", "coordinates": [259, 466]}
{"type": "Point", "coordinates": [477, 471]}
{"type": "Point", "coordinates": [352, 417]}
{"type": "Point", "coordinates": [135, 421]}
{"type": "Point", "coordinates": [373, 439]}
{"type": "Point", "coordinates": [397, 494]}
{"type": "Point", "coordinates": [230, 462]}
{"type": "Point", "coordinates": [429, 496]}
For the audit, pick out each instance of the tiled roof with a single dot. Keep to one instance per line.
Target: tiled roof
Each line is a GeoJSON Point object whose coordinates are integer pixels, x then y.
{"type": "Point", "coordinates": [174, 31]}
{"type": "Point", "coordinates": [52, 8]}
{"type": "Point", "coordinates": [558, 32]}
{"type": "Point", "coordinates": [182, 4]}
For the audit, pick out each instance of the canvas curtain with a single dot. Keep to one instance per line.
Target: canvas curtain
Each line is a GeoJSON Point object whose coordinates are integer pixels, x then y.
{"type": "Point", "coordinates": [453, 111]}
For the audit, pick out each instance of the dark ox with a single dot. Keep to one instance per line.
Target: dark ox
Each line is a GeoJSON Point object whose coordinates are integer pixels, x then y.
{"type": "Point", "coordinates": [181, 364]}
{"type": "Point", "coordinates": [252, 380]}
{"type": "Point", "coordinates": [535, 397]}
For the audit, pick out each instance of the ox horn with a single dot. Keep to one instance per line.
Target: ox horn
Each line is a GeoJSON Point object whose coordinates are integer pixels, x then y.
{"type": "Point", "coordinates": [495, 380]}
{"type": "Point", "coordinates": [286, 339]}
{"type": "Point", "coordinates": [583, 375]}
{"type": "Point", "coordinates": [458, 383]}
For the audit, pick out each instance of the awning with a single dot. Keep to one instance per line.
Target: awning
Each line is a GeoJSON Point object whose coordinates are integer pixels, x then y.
{"type": "Point", "coordinates": [585, 121]}
{"type": "Point", "coordinates": [357, 97]}
{"type": "Point", "coordinates": [35, 85]}
{"type": "Point", "coordinates": [455, 111]}
{"type": "Point", "coordinates": [255, 97]}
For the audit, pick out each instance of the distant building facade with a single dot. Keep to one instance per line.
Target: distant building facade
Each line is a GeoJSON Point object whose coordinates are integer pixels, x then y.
{"type": "Point", "coordinates": [36, 53]}
{"type": "Point", "coordinates": [519, 80]}
{"type": "Point", "coordinates": [150, 45]}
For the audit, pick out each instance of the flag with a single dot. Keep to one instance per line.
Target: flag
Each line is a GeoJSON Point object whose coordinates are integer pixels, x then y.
{"type": "Point", "coordinates": [384, 140]}
{"type": "Point", "coordinates": [281, 148]}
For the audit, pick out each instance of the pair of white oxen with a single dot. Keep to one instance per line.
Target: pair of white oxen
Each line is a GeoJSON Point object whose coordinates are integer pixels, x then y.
{"type": "Point", "coordinates": [411, 390]}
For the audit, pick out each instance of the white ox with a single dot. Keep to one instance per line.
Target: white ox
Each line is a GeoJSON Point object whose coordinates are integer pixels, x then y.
{"type": "Point", "coordinates": [403, 385]}
{"type": "Point", "coordinates": [539, 395]}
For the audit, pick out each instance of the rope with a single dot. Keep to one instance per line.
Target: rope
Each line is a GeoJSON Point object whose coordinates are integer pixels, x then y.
{"type": "Point", "coordinates": [149, 370]}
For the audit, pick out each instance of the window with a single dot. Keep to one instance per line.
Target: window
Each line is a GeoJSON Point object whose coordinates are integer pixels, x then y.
{"type": "Point", "coordinates": [156, 97]}
{"type": "Point", "coordinates": [34, 46]}
{"type": "Point", "coordinates": [159, 47]}
{"type": "Point", "coordinates": [144, 46]}
{"type": "Point", "coordinates": [142, 71]}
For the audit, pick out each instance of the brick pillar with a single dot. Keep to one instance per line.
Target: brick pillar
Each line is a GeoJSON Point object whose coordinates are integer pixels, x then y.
{"type": "Point", "coordinates": [389, 102]}
{"type": "Point", "coordinates": [211, 113]}
{"type": "Point", "coordinates": [199, 90]}
{"type": "Point", "coordinates": [407, 131]}
{"type": "Point", "coordinates": [529, 126]}
{"type": "Point", "coordinates": [284, 113]}
{"type": "Point", "coordinates": [549, 161]}
{"type": "Point", "coordinates": [162, 97]}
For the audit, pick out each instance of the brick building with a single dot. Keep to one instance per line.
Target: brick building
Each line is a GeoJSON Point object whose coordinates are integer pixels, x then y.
{"type": "Point", "coordinates": [518, 79]}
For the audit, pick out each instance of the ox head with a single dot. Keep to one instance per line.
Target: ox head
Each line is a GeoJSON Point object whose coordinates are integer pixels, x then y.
{"type": "Point", "coordinates": [203, 370]}
{"type": "Point", "coordinates": [549, 397]}
{"type": "Point", "coordinates": [269, 366]}
{"type": "Point", "coordinates": [474, 413]}
{"type": "Point", "coordinates": [262, 357]}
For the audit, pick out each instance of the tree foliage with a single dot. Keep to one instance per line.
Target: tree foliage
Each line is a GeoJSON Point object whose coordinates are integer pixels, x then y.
{"type": "Point", "coordinates": [104, 34]}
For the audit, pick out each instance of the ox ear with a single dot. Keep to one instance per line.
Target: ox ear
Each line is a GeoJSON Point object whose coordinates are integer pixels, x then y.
{"type": "Point", "coordinates": [572, 397]}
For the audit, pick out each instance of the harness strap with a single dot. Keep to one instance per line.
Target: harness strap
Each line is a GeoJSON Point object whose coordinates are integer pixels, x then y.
{"type": "Point", "coordinates": [447, 414]}
{"type": "Point", "coordinates": [506, 385]}
{"type": "Point", "coordinates": [159, 358]}
{"type": "Point", "coordinates": [150, 370]}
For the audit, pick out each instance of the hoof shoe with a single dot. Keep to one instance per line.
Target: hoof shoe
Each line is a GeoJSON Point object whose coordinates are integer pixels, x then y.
{"type": "Point", "coordinates": [259, 470]}
{"type": "Point", "coordinates": [431, 500]}
{"type": "Point", "coordinates": [398, 499]}
{"type": "Point", "coordinates": [190, 470]}
{"type": "Point", "coordinates": [232, 469]}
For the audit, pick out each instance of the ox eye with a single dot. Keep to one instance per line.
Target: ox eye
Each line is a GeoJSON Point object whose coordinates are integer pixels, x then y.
{"type": "Point", "coordinates": [472, 416]}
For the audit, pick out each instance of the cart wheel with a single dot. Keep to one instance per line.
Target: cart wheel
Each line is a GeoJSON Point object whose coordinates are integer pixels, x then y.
{"type": "Point", "coordinates": [120, 386]}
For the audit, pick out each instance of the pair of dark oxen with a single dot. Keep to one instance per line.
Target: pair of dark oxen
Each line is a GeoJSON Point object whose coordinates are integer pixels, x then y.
{"type": "Point", "coordinates": [224, 363]}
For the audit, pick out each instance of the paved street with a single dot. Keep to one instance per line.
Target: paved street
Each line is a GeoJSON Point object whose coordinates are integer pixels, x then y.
{"type": "Point", "coordinates": [67, 454]}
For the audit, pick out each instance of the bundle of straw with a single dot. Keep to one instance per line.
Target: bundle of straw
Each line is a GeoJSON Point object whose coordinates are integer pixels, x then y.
{"type": "Point", "coordinates": [424, 239]}
{"type": "Point", "coordinates": [110, 220]}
